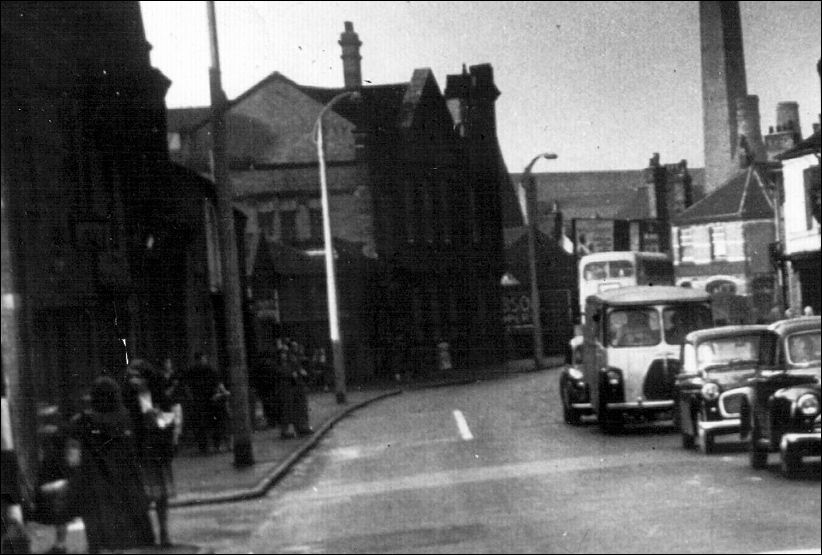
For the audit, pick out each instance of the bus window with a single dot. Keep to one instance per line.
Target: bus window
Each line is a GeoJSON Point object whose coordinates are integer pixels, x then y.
{"type": "Point", "coordinates": [595, 270]}
{"type": "Point", "coordinates": [681, 320]}
{"type": "Point", "coordinates": [633, 327]}
{"type": "Point", "coordinates": [621, 269]}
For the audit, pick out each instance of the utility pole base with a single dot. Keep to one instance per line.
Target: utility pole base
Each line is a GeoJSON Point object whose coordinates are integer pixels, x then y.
{"type": "Point", "coordinates": [341, 400]}
{"type": "Point", "coordinates": [243, 455]}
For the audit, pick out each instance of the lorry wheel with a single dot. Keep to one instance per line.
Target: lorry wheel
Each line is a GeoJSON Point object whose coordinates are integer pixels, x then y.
{"type": "Point", "coordinates": [571, 416]}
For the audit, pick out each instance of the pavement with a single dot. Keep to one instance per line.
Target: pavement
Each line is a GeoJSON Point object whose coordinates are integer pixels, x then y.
{"type": "Point", "coordinates": [209, 479]}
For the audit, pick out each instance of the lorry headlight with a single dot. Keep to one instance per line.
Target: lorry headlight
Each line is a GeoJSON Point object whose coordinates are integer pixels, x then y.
{"type": "Point", "coordinates": [613, 377]}
{"type": "Point", "coordinates": [808, 404]}
{"type": "Point", "coordinates": [710, 391]}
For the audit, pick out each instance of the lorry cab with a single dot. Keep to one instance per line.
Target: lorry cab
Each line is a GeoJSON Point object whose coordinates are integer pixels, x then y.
{"type": "Point", "coordinates": [631, 345]}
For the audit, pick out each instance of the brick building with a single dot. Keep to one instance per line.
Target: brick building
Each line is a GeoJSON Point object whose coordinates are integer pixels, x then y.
{"type": "Point", "coordinates": [415, 179]}
{"type": "Point", "coordinates": [721, 243]}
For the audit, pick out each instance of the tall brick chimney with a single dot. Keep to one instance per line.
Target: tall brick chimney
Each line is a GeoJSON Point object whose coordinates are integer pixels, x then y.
{"type": "Point", "coordinates": [723, 81]}
{"type": "Point", "coordinates": [350, 42]}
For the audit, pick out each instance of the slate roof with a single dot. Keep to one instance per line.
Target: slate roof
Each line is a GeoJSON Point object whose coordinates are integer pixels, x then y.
{"type": "Point", "coordinates": [742, 197]}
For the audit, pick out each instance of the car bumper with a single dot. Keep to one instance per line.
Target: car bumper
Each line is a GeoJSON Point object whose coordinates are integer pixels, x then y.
{"type": "Point", "coordinates": [728, 425]}
{"type": "Point", "coordinates": [806, 443]}
{"type": "Point", "coordinates": [581, 406]}
{"type": "Point", "coordinates": [642, 405]}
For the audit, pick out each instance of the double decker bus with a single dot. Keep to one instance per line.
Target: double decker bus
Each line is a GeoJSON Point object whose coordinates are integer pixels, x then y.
{"type": "Point", "coordinates": [602, 271]}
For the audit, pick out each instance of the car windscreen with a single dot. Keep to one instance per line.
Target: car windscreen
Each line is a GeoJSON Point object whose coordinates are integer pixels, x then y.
{"type": "Point", "coordinates": [633, 327]}
{"type": "Point", "coordinates": [803, 348]}
{"type": "Point", "coordinates": [728, 353]}
{"type": "Point", "coordinates": [682, 319]}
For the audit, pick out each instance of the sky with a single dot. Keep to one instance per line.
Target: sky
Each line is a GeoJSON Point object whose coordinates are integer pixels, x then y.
{"type": "Point", "coordinates": [603, 85]}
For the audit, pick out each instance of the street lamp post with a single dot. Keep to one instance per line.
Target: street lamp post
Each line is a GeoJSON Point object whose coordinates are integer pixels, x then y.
{"type": "Point", "coordinates": [331, 282]}
{"type": "Point", "coordinates": [531, 215]}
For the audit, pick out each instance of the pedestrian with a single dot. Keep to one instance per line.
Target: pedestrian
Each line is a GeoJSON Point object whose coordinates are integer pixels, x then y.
{"type": "Point", "coordinates": [320, 370]}
{"type": "Point", "coordinates": [173, 395]}
{"type": "Point", "coordinates": [208, 403]}
{"type": "Point", "coordinates": [291, 387]}
{"type": "Point", "coordinates": [267, 387]}
{"type": "Point", "coordinates": [150, 408]}
{"type": "Point", "coordinates": [109, 489]}
{"type": "Point", "coordinates": [299, 375]}
{"type": "Point", "coordinates": [53, 500]}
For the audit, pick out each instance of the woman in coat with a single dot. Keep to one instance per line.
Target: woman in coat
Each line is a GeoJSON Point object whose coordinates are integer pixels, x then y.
{"type": "Point", "coordinates": [108, 484]}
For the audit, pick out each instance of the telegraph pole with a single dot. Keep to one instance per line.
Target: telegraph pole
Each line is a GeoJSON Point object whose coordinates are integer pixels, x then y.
{"type": "Point", "coordinates": [232, 298]}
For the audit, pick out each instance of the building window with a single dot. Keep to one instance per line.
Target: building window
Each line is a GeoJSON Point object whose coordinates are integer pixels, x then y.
{"type": "Point", "coordinates": [265, 221]}
{"type": "Point", "coordinates": [288, 227]}
{"type": "Point", "coordinates": [686, 245]}
{"type": "Point", "coordinates": [812, 196]}
{"type": "Point", "coordinates": [719, 248]}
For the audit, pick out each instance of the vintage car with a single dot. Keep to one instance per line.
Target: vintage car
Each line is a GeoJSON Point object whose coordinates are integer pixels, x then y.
{"type": "Point", "coordinates": [632, 338]}
{"type": "Point", "coordinates": [716, 363]}
{"type": "Point", "coordinates": [780, 411]}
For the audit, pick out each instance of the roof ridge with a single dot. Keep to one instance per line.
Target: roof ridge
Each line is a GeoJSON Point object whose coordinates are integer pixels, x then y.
{"type": "Point", "coordinates": [744, 196]}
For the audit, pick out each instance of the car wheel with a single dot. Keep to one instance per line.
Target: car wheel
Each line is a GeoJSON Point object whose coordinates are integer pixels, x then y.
{"type": "Point", "coordinates": [791, 463]}
{"type": "Point", "coordinates": [705, 437]}
{"type": "Point", "coordinates": [569, 413]}
{"type": "Point", "coordinates": [758, 456]}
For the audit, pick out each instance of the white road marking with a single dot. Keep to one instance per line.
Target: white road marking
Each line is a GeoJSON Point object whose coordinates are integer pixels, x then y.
{"type": "Point", "coordinates": [352, 452]}
{"type": "Point", "coordinates": [465, 432]}
{"type": "Point", "coordinates": [798, 551]}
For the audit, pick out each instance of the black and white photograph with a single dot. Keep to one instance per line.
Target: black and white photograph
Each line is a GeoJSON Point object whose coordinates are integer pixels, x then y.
{"type": "Point", "coordinates": [411, 276]}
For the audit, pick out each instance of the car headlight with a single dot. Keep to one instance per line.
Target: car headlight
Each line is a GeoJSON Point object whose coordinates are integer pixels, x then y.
{"type": "Point", "coordinates": [613, 377]}
{"type": "Point", "coordinates": [710, 391]}
{"type": "Point", "coordinates": [808, 404]}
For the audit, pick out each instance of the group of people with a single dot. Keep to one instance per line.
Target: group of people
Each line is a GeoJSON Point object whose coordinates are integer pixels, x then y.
{"type": "Point", "coordinates": [110, 464]}
{"type": "Point", "coordinates": [114, 456]}
{"type": "Point", "coordinates": [281, 377]}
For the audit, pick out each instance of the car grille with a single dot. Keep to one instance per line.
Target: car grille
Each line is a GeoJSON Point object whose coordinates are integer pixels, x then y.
{"type": "Point", "coordinates": [659, 381]}
{"type": "Point", "coordinates": [731, 405]}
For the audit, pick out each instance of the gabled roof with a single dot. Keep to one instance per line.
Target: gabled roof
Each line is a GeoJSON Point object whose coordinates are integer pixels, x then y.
{"type": "Point", "coordinates": [388, 106]}
{"type": "Point", "coordinates": [811, 145]}
{"type": "Point", "coordinates": [742, 197]}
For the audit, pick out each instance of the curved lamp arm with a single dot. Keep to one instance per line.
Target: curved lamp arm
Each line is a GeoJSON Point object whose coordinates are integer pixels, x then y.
{"type": "Point", "coordinates": [355, 95]}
